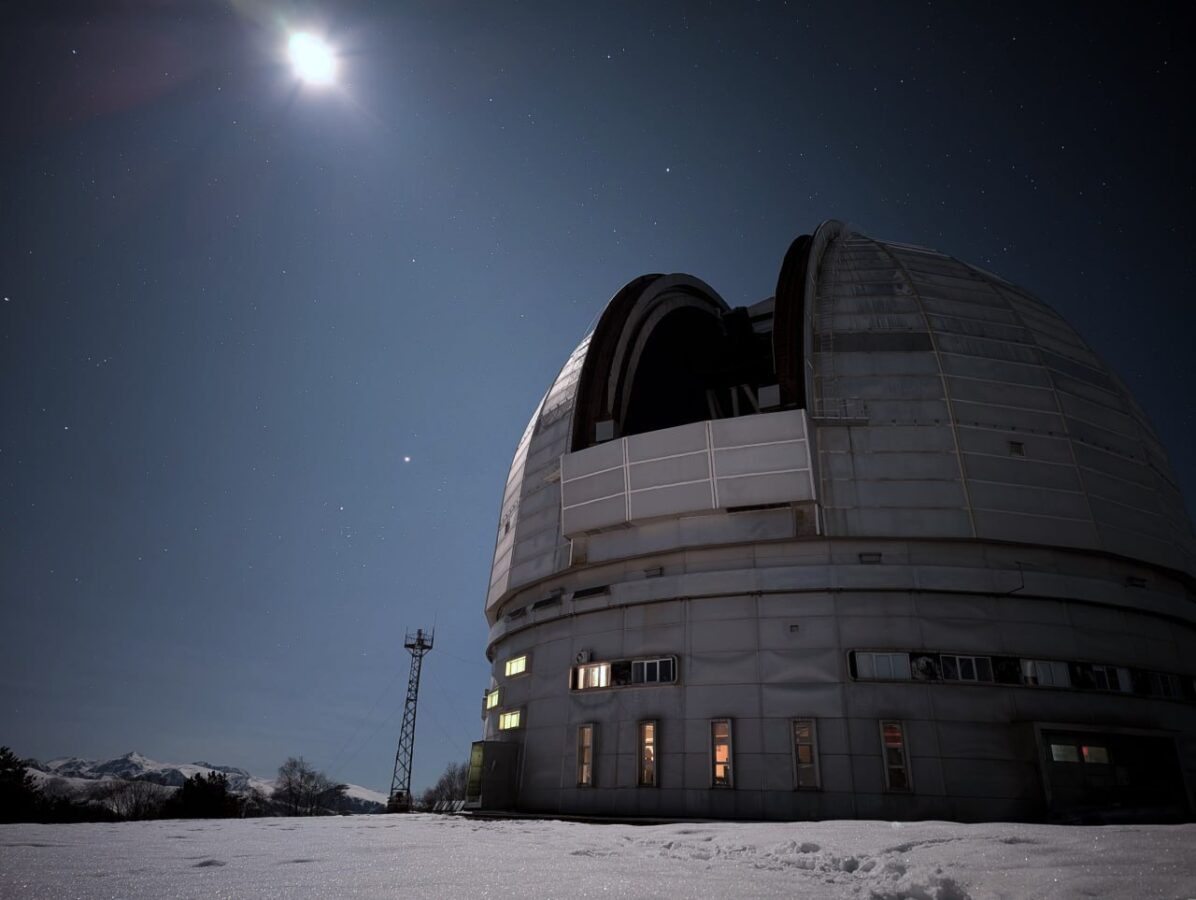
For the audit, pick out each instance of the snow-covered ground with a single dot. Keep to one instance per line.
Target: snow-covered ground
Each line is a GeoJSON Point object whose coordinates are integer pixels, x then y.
{"type": "Point", "coordinates": [434, 856]}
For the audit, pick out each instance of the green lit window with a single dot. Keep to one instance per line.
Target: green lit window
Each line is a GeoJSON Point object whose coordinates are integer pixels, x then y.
{"type": "Point", "coordinates": [1064, 753]}
{"type": "Point", "coordinates": [492, 699]}
{"type": "Point", "coordinates": [516, 666]}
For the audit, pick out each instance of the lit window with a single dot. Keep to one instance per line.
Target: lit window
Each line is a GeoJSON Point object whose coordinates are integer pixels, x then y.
{"type": "Point", "coordinates": [596, 675]}
{"type": "Point", "coordinates": [966, 668]}
{"type": "Point", "coordinates": [1096, 755]}
{"type": "Point", "coordinates": [720, 752]}
{"type": "Point", "coordinates": [492, 699]}
{"type": "Point", "coordinates": [509, 720]}
{"type": "Point", "coordinates": [1065, 753]}
{"type": "Point", "coordinates": [585, 756]}
{"type": "Point", "coordinates": [882, 665]}
{"type": "Point", "coordinates": [896, 757]}
{"type": "Point", "coordinates": [473, 784]}
{"type": "Point", "coordinates": [647, 767]}
{"type": "Point", "coordinates": [1045, 672]}
{"type": "Point", "coordinates": [516, 666]}
{"type": "Point", "coordinates": [805, 754]}
{"type": "Point", "coordinates": [623, 672]}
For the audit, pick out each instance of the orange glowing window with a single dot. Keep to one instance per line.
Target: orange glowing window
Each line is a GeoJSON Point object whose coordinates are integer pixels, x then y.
{"type": "Point", "coordinates": [720, 752]}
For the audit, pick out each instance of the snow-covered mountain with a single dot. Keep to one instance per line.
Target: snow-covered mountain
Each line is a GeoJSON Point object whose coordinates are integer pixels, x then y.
{"type": "Point", "coordinates": [135, 767]}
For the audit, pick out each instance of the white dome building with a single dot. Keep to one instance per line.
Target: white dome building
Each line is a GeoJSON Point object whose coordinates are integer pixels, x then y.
{"type": "Point", "coordinates": [892, 544]}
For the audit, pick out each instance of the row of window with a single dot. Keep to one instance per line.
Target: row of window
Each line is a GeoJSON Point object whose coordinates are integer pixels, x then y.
{"type": "Point", "coordinates": [589, 676]}
{"type": "Point", "coordinates": [803, 742]}
{"type": "Point", "coordinates": [870, 665]}
{"type": "Point", "coordinates": [623, 672]}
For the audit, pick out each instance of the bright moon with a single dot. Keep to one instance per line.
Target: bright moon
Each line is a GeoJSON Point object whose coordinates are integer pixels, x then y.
{"type": "Point", "coordinates": [312, 58]}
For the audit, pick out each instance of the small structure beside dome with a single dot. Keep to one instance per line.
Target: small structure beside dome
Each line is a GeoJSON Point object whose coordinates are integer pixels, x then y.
{"type": "Point", "coordinates": [893, 543]}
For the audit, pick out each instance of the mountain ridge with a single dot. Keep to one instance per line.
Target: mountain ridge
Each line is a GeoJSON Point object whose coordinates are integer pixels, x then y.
{"type": "Point", "coordinates": [134, 766]}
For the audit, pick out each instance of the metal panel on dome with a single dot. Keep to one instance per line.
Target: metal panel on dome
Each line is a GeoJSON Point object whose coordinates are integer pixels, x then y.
{"type": "Point", "coordinates": [703, 466]}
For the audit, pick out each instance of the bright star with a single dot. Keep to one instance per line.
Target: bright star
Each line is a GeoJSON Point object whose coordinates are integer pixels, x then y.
{"type": "Point", "coordinates": [313, 60]}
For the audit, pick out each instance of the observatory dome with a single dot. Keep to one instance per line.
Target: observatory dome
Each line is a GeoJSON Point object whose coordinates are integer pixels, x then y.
{"type": "Point", "coordinates": [897, 462]}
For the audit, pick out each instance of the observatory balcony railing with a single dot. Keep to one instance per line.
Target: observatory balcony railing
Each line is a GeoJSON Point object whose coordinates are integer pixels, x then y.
{"type": "Point", "coordinates": [700, 467]}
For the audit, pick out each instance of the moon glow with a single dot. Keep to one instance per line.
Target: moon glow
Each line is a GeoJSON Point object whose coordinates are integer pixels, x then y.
{"type": "Point", "coordinates": [313, 60]}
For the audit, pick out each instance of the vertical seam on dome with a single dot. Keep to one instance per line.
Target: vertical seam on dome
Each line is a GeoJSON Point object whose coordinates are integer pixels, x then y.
{"type": "Point", "coordinates": [938, 358]}
{"type": "Point", "coordinates": [1071, 447]}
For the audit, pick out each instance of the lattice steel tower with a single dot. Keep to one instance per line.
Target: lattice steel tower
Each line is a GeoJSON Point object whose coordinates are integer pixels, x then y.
{"type": "Point", "coordinates": [418, 645]}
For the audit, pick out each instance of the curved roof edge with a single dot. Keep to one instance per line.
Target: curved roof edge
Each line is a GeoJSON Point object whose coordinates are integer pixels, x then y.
{"type": "Point", "coordinates": [618, 341]}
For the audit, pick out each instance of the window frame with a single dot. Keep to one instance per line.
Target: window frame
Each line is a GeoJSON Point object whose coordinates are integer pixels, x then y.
{"type": "Point", "coordinates": [1063, 752]}
{"type": "Point", "coordinates": [581, 671]}
{"type": "Point", "coordinates": [642, 746]}
{"type": "Point", "coordinates": [503, 718]}
{"type": "Point", "coordinates": [526, 668]}
{"type": "Point", "coordinates": [1117, 678]}
{"type": "Point", "coordinates": [797, 763]}
{"type": "Point", "coordinates": [973, 660]}
{"type": "Point", "coordinates": [908, 787]}
{"type": "Point", "coordinates": [586, 754]}
{"type": "Point", "coordinates": [873, 656]}
{"type": "Point", "coordinates": [626, 668]}
{"type": "Point", "coordinates": [729, 762]}
{"type": "Point", "coordinates": [1053, 666]}
{"type": "Point", "coordinates": [492, 699]}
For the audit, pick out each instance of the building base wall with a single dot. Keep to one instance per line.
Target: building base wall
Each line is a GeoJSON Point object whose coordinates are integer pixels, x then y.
{"type": "Point", "coordinates": [974, 750]}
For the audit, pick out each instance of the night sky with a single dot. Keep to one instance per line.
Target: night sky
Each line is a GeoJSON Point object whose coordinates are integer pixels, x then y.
{"type": "Point", "coordinates": [266, 348]}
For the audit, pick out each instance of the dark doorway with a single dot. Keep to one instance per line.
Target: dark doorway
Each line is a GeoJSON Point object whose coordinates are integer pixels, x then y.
{"type": "Point", "coordinates": [1098, 778]}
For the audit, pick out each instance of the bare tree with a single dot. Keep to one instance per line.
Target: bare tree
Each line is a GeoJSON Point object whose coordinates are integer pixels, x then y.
{"type": "Point", "coordinates": [303, 791]}
{"type": "Point", "coordinates": [450, 785]}
{"type": "Point", "coordinates": [130, 799]}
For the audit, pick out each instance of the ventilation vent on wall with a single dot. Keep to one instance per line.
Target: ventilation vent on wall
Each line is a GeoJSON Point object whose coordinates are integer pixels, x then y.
{"type": "Point", "coordinates": [591, 592]}
{"type": "Point", "coordinates": [551, 600]}
{"type": "Point", "coordinates": [870, 559]}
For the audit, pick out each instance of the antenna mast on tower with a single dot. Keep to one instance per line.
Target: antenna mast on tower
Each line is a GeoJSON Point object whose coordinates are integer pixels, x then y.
{"type": "Point", "coordinates": [418, 644]}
